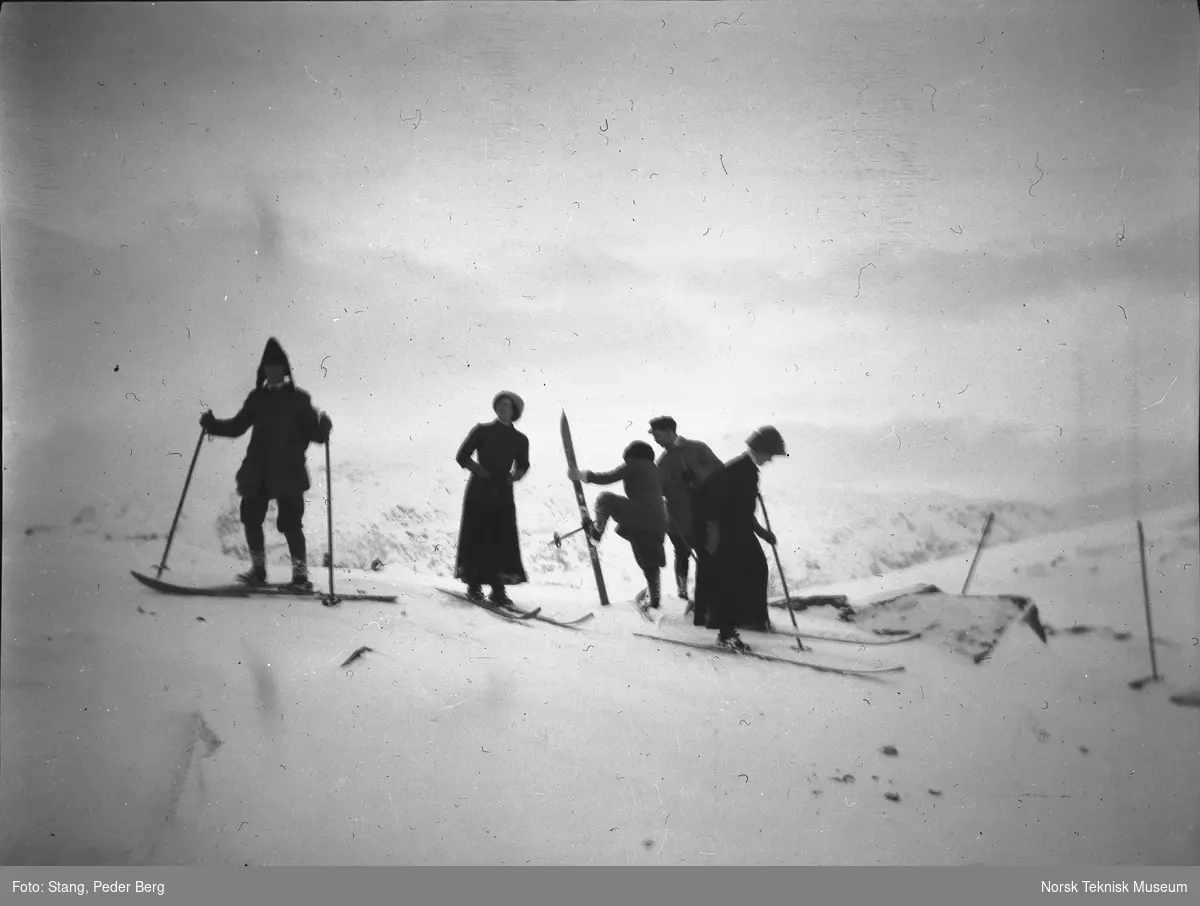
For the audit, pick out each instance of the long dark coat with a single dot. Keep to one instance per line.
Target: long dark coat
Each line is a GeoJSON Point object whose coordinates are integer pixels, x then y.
{"type": "Point", "coordinates": [282, 422]}
{"type": "Point", "coordinates": [706, 597]}
{"type": "Point", "coordinates": [489, 549]}
{"type": "Point", "coordinates": [735, 580]}
{"type": "Point", "coordinates": [683, 466]}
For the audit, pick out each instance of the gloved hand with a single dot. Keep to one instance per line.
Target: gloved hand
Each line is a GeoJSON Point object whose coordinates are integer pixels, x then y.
{"type": "Point", "coordinates": [326, 424]}
{"type": "Point", "coordinates": [208, 421]}
{"type": "Point", "coordinates": [768, 536]}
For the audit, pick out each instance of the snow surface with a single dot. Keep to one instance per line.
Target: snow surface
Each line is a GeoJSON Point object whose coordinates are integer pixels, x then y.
{"type": "Point", "coordinates": [149, 729]}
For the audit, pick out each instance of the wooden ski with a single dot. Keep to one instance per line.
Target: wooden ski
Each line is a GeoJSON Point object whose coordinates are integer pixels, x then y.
{"type": "Point", "coordinates": [584, 516]}
{"type": "Point", "coordinates": [239, 590]}
{"type": "Point", "coordinates": [820, 668]}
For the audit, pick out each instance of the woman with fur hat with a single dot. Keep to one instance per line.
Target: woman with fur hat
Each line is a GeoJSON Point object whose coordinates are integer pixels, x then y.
{"type": "Point", "coordinates": [282, 422]}
{"type": "Point", "coordinates": [641, 515]}
{"type": "Point", "coordinates": [489, 550]}
{"type": "Point", "coordinates": [728, 501]}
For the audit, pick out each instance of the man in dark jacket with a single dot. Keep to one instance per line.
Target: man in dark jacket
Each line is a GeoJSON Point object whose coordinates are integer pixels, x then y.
{"type": "Point", "coordinates": [640, 516]}
{"type": "Point", "coordinates": [684, 464]}
{"type": "Point", "coordinates": [283, 423]}
{"type": "Point", "coordinates": [728, 501]}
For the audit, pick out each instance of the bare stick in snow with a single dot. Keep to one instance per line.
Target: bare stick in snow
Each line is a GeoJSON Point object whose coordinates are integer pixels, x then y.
{"type": "Point", "coordinates": [982, 540]}
{"type": "Point", "coordinates": [1137, 684]}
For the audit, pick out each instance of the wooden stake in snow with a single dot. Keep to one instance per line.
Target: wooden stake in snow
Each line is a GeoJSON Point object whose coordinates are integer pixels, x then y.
{"type": "Point", "coordinates": [982, 540]}
{"type": "Point", "coordinates": [1146, 598]}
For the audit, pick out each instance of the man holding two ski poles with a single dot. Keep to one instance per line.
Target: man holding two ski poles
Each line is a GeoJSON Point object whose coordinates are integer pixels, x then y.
{"type": "Point", "coordinates": [282, 422]}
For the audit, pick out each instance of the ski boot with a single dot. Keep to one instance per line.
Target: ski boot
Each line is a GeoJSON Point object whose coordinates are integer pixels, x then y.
{"type": "Point", "coordinates": [475, 593]}
{"type": "Point", "coordinates": [593, 530]}
{"type": "Point", "coordinates": [300, 580]}
{"type": "Point", "coordinates": [256, 576]}
{"type": "Point", "coordinates": [681, 588]}
{"type": "Point", "coordinates": [733, 643]}
{"type": "Point", "coordinates": [499, 597]}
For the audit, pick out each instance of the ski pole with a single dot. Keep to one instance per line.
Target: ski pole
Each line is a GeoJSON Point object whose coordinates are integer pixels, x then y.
{"type": "Point", "coordinates": [778, 565]}
{"type": "Point", "coordinates": [331, 599]}
{"type": "Point", "coordinates": [179, 509]}
{"type": "Point", "coordinates": [678, 531]}
{"type": "Point", "coordinates": [558, 538]}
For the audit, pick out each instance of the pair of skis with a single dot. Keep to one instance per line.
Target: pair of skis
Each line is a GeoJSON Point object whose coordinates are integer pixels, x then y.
{"type": "Point", "coordinates": [243, 591]}
{"type": "Point", "coordinates": [863, 640]}
{"type": "Point", "coordinates": [508, 612]}
{"type": "Point", "coordinates": [820, 668]}
{"type": "Point", "coordinates": [515, 613]}
{"type": "Point", "coordinates": [238, 590]}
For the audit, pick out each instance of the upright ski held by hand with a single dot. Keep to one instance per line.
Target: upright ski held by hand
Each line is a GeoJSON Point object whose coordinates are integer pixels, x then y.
{"type": "Point", "coordinates": [585, 518]}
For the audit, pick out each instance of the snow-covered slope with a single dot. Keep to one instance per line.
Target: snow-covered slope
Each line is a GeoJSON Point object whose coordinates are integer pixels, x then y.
{"type": "Point", "coordinates": [144, 728]}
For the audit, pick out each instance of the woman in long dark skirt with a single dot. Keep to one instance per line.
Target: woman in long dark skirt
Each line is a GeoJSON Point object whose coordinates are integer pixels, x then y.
{"type": "Point", "coordinates": [489, 550]}
{"type": "Point", "coordinates": [736, 587]}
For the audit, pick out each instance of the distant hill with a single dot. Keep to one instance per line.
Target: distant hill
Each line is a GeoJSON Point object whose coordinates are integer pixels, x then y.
{"type": "Point", "coordinates": [823, 537]}
{"type": "Point", "coordinates": [409, 520]}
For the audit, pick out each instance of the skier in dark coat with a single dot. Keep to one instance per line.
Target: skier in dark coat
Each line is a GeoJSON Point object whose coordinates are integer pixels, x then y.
{"type": "Point", "coordinates": [282, 422]}
{"type": "Point", "coordinates": [684, 463]}
{"type": "Point", "coordinates": [739, 577]}
{"type": "Point", "coordinates": [640, 516]}
{"type": "Point", "coordinates": [489, 549]}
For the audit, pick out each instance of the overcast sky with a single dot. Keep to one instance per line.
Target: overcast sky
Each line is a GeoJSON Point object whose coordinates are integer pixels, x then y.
{"type": "Point", "coordinates": [966, 227]}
